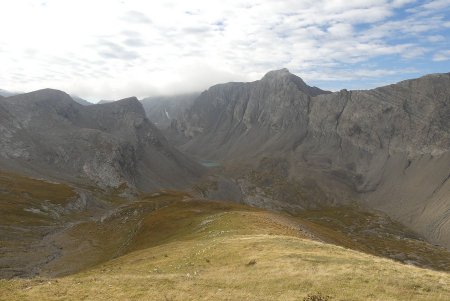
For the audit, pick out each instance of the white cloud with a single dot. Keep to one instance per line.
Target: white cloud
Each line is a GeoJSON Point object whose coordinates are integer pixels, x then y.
{"type": "Point", "coordinates": [436, 38]}
{"type": "Point", "coordinates": [350, 74]}
{"type": "Point", "coordinates": [436, 4]}
{"type": "Point", "coordinates": [109, 49]}
{"type": "Point", "coordinates": [430, 7]}
{"type": "Point", "coordinates": [443, 55]}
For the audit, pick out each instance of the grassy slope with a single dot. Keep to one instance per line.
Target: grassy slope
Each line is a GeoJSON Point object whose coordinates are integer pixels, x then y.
{"type": "Point", "coordinates": [167, 246]}
{"type": "Point", "coordinates": [376, 234]}
{"type": "Point", "coordinates": [18, 193]}
{"type": "Point", "coordinates": [347, 225]}
{"type": "Point", "coordinates": [31, 212]}
{"type": "Point", "coordinates": [200, 250]}
{"type": "Point", "coordinates": [26, 216]}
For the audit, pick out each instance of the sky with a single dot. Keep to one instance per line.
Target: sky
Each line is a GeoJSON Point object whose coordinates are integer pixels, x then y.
{"type": "Point", "coordinates": [112, 49]}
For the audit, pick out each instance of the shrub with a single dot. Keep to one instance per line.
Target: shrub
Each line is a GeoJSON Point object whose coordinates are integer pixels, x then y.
{"type": "Point", "coordinates": [317, 297]}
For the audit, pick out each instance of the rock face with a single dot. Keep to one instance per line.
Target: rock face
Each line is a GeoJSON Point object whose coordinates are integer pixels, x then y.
{"type": "Point", "coordinates": [47, 134]}
{"type": "Point", "coordinates": [390, 145]}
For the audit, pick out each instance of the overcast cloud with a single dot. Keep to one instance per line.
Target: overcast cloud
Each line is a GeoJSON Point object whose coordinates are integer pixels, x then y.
{"type": "Point", "coordinates": [110, 49]}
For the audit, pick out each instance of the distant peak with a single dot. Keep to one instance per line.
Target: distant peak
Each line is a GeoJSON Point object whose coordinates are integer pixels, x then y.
{"type": "Point", "coordinates": [129, 104]}
{"type": "Point", "coordinates": [274, 74]}
{"type": "Point", "coordinates": [131, 99]}
{"type": "Point", "coordinates": [283, 75]}
{"type": "Point", "coordinates": [44, 96]}
{"type": "Point", "coordinates": [48, 91]}
{"type": "Point", "coordinates": [121, 102]}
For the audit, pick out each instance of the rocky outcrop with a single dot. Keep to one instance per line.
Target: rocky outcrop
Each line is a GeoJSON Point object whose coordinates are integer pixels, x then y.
{"type": "Point", "coordinates": [47, 134]}
{"type": "Point", "coordinates": [390, 145]}
{"type": "Point", "coordinates": [236, 119]}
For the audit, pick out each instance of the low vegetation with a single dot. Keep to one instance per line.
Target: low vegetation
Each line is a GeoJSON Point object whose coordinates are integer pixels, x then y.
{"type": "Point", "coordinates": [288, 268]}
{"type": "Point", "coordinates": [170, 246]}
{"type": "Point", "coordinates": [20, 195]}
{"type": "Point", "coordinates": [191, 249]}
{"type": "Point", "coordinates": [376, 234]}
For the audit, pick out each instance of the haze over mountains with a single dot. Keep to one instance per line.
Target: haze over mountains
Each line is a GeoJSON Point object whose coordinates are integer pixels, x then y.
{"type": "Point", "coordinates": [4, 93]}
{"type": "Point", "coordinates": [162, 110]}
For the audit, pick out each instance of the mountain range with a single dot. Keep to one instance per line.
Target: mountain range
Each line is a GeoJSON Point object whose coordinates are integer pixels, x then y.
{"type": "Point", "coordinates": [133, 199]}
{"type": "Point", "coordinates": [389, 146]}
{"type": "Point", "coordinates": [47, 134]}
{"type": "Point", "coordinates": [385, 148]}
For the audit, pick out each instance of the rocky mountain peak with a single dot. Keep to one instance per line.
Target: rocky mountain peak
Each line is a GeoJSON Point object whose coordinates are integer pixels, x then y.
{"type": "Point", "coordinates": [380, 143]}
{"type": "Point", "coordinates": [130, 102]}
{"type": "Point", "coordinates": [277, 74]}
{"type": "Point", "coordinates": [284, 77]}
{"type": "Point", "coordinates": [126, 105]}
{"type": "Point", "coordinates": [109, 144]}
{"type": "Point", "coordinates": [42, 96]}
{"type": "Point", "coordinates": [36, 105]}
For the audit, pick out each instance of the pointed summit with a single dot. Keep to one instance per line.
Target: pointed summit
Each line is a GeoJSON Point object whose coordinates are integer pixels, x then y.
{"type": "Point", "coordinates": [277, 74]}
{"type": "Point", "coordinates": [122, 106]}
{"type": "Point", "coordinates": [283, 75]}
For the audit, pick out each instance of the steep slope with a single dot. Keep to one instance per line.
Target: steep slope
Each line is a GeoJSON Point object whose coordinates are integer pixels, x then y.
{"type": "Point", "coordinates": [242, 119]}
{"type": "Point", "coordinates": [47, 134]}
{"type": "Point", "coordinates": [32, 211]}
{"type": "Point", "coordinates": [390, 145]}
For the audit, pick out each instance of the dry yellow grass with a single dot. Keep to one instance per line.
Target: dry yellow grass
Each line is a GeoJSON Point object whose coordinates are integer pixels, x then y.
{"type": "Point", "coordinates": [204, 255]}
{"type": "Point", "coordinates": [167, 246]}
{"type": "Point", "coordinates": [19, 192]}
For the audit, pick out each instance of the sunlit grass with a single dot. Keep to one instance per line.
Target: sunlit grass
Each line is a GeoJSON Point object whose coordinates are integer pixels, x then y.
{"type": "Point", "coordinates": [200, 250]}
{"type": "Point", "coordinates": [216, 268]}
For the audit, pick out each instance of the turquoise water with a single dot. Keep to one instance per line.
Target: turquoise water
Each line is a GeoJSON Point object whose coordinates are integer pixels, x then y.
{"type": "Point", "coordinates": [210, 164]}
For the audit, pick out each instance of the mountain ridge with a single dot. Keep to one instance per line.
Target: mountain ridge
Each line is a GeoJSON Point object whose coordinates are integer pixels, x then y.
{"type": "Point", "coordinates": [52, 133]}
{"type": "Point", "coordinates": [390, 145]}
